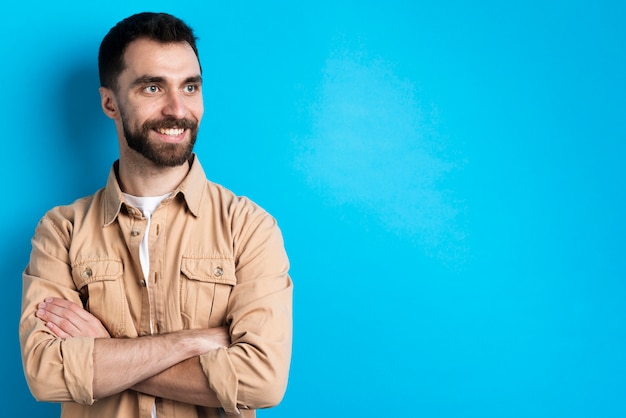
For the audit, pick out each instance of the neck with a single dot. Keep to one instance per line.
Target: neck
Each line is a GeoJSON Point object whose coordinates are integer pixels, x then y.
{"type": "Point", "coordinates": [149, 179]}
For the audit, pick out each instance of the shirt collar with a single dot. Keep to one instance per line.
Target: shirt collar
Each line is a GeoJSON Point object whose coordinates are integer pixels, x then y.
{"type": "Point", "coordinates": [191, 189]}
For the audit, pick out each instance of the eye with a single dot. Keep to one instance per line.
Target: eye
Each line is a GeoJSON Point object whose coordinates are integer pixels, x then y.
{"type": "Point", "coordinates": [191, 88]}
{"type": "Point", "coordinates": [151, 89]}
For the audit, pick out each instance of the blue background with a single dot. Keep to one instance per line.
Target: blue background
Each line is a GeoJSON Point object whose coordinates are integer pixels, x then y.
{"type": "Point", "coordinates": [448, 176]}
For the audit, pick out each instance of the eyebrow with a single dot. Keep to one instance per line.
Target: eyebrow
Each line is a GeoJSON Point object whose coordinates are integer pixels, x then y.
{"type": "Point", "coordinates": [150, 79]}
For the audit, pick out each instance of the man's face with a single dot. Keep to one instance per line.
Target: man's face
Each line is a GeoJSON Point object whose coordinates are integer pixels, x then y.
{"type": "Point", "coordinates": [159, 96]}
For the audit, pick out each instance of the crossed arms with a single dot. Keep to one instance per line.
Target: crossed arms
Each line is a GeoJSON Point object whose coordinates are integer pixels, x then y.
{"type": "Point", "coordinates": [163, 365]}
{"type": "Point", "coordinates": [76, 354]}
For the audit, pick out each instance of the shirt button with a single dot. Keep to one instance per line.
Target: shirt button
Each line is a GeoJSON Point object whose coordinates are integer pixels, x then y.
{"type": "Point", "coordinates": [143, 283]}
{"type": "Point", "coordinates": [218, 272]}
{"type": "Point", "coordinates": [135, 232]}
{"type": "Point", "coordinates": [87, 273]}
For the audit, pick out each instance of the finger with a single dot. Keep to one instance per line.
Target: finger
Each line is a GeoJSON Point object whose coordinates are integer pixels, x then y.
{"type": "Point", "coordinates": [59, 322]}
{"type": "Point", "coordinates": [57, 331]}
{"type": "Point", "coordinates": [66, 309]}
{"type": "Point", "coordinates": [72, 318]}
{"type": "Point", "coordinates": [76, 309]}
{"type": "Point", "coordinates": [63, 304]}
{"type": "Point", "coordinates": [56, 312]}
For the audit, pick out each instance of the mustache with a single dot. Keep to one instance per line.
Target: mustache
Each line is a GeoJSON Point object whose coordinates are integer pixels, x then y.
{"type": "Point", "coordinates": [169, 123]}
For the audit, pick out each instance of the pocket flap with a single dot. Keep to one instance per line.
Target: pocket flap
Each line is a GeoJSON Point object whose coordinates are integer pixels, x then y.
{"type": "Point", "coordinates": [89, 271]}
{"type": "Point", "coordinates": [212, 270]}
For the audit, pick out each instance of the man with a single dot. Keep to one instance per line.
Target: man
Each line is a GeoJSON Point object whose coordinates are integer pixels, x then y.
{"type": "Point", "coordinates": [162, 294]}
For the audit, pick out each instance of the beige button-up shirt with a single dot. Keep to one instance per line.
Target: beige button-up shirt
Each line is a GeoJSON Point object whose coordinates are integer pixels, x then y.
{"type": "Point", "coordinates": [215, 259]}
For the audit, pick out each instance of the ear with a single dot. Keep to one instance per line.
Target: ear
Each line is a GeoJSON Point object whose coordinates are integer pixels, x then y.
{"type": "Point", "coordinates": [108, 102]}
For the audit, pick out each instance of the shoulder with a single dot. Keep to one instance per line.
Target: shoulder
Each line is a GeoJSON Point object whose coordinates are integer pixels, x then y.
{"type": "Point", "coordinates": [63, 218]}
{"type": "Point", "coordinates": [236, 206]}
{"type": "Point", "coordinates": [243, 216]}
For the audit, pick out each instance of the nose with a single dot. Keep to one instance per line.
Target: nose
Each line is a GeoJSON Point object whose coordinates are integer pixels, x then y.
{"type": "Point", "coordinates": [175, 105]}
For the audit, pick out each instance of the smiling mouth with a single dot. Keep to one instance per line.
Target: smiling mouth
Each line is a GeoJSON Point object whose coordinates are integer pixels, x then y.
{"type": "Point", "coordinates": [171, 131]}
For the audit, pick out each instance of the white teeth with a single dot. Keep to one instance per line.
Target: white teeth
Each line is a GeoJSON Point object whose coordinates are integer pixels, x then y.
{"type": "Point", "coordinates": [172, 131]}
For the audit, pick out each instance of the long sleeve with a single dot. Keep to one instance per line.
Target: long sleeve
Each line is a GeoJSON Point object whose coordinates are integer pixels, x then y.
{"type": "Point", "coordinates": [252, 373]}
{"type": "Point", "coordinates": [55, 370]}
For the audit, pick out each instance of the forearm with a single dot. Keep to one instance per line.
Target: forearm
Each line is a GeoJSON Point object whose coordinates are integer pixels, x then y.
{"type": "Point", "coordinates": [121, 363]}
{"type": "Point", "coordinates": [184, 382]}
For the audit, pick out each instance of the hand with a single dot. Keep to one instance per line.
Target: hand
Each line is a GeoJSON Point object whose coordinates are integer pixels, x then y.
{"type": "Point", "coordinates": [67, 319]}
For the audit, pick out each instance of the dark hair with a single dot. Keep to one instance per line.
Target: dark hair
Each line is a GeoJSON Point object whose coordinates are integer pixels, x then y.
{"type": "Point", "coordinates": [160, 27]}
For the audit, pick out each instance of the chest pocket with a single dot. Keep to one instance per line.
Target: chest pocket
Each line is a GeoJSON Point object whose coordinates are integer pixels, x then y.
{"type": "Point", "coordinates": [102, 290]}
{"type": "Point", "coordinates": [206, 284]}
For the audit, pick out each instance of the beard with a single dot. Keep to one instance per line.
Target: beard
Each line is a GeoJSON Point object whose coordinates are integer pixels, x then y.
{"type": "Point", "coordinates": [162, 154]}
